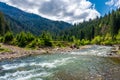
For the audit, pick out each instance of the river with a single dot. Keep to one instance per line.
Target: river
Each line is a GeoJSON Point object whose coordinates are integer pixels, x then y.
{"type": "Point", "coordinates": [87, 64]}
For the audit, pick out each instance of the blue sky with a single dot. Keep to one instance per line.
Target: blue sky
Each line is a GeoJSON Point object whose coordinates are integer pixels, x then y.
{"type": "Point", "coordinates": [101, 6]}
{"type": "Point", "coordinates": [72, 11]}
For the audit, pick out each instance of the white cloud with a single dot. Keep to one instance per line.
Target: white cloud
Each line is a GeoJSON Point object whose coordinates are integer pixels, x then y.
{"type": "Point", "coordinates": [113, 3]}
{"type": "Point", "coordinates": [110, 2]}
{"type": "Point", "coordinates": [72, 11]}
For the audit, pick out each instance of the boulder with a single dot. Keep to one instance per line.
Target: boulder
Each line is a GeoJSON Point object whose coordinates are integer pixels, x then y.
{"type": "Point", "coordinates": [114, 51]}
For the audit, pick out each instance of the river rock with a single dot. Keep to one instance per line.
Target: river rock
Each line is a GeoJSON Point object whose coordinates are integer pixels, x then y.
{"type": "Point", "coordinates": [117, 47]}
{"type": "Point", "coordinates": [114, 51]}
{"type": "Point", "coordinates": [1, 68]}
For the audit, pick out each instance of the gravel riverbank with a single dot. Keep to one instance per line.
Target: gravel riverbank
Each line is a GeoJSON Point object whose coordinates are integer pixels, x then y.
{"type": "Point", "coordinates": [17, 52]}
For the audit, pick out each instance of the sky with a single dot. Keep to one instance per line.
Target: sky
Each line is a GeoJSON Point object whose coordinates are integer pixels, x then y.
{"type": "Point", "coordinates": [71, 11]}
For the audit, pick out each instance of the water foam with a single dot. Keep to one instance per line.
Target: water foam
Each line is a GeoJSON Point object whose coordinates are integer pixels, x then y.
{"type": "Point", "coordinates": [13, 66]}
{"type": "Point", "coordinates": [52, 64]}
{"type": "Point", "coordinates": [24, 75]}
{"type": "Point", "coordinates": [94, 51]}
{"type": "Point", "coordinates": [42, 74]}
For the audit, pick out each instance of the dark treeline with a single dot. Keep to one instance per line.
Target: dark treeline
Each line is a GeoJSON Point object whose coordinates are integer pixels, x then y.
{"type": "Point", "coordinates": [4, 27]}
{"type": "Point", "coordinates": [104, 30]}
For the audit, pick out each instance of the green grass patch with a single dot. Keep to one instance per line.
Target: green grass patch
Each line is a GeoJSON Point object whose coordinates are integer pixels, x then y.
{"type": "Point", "coordinates": [4, 50]}
{"type": "Point", "coordinates": [119, 52]}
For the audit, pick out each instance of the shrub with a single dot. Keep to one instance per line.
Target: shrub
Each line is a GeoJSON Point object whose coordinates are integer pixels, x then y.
{"type": "Point", "coordinates": [84, 42]}
{"type": "Point", "coordinates": [47, 38]}
{"type": "Point", "coordinates": [96, 40]}
{"type": "Point", "coordinates": [21, 39]}
{"type": "Point", "coordinates": [36, 43]}
{"type": "Point", "coordinates": [1, 39]}
{"type": "Point", "coordinates": [107, 42]}
{"type": "Point", "coordinates": [8, 37]}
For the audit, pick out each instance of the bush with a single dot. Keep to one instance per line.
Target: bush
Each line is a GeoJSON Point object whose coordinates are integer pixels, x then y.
{"type": "Point", "coordinates": [84, 42]}
{"type": "Point", "coordinates": [118, 38]}
{"type": "Point", "coordinates": [33, 44]}
{"type": "Point", "coordinates": [21, 39]}
{"type": "Point", "coordinates": [48, 43]}
{"type": "Point", "coordinates": [1, 39]}
{"type": "Point", "coordinates": [107, 42]}
{"type": "Point", "coordinates": [59, 45]}
{"type": "Point", "coordinates": [97, 40]}
{"type": "Point", "coordinates": [36, 43]}
{"type": "Point", "coordinates": [30, 37]}
{"type": "Point", "coordinates": [8, 37]}
{"type": "Point", "coordinates": [47, 38]}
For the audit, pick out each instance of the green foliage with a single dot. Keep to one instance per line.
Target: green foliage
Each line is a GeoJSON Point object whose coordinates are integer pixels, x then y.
{"type": "Point", "coordinates": [22, 21]}
{"type": "Point", "coordinates": [47, 38]}
{"type": "Point", "coordinates": [115, 21]}
{"type": "Point", "coordinates": [77, 42]}
{"type": "Point", "coordinates": [3, 25]}
{"type": "Point", "coordinates": [8, 37]}
{"type": "Point", "coordinates": [108, 37]}
{"type": "Point", "coordinates": [118, 38]}
{"type": "Point", "coordinates": [96, 40]}
{"type": "Point", "coordinates": [4, 50]}
{"type": "Point", "coordinates": [103, 30]}
{"type": "Point", "coordinates": [30, 37]}
{"type": "Point", "coordinates": [36, 43]}
{"type": "Point", "coordinates": [84, 42]}
{"type": "Point", "coordinates": [29, 40]}
{"type": "Point", "coordinates": [21, 39]}
{"type": "Point", "coordinates": [1, 39]}
{"type": "Point", "coordinates": [60, 43]}
{"type": "Point", "coordinates": [107, 42]}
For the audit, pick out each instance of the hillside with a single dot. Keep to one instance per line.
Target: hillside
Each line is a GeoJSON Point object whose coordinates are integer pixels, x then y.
{"type": "Point", "coordinates": [103, 30]}
{"type": "Point", "coordinates": [30, 22]}
{"type": "Point", "coordinates": [3, 25]}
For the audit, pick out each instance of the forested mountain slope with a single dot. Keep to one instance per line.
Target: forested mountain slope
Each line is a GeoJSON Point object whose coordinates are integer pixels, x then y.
{"type": "Point", "coordinates": [3, 25]}
{"type": "Point", "coordinates": [105, 28]}
{"type": "Point", "coordinates": [31, 22]}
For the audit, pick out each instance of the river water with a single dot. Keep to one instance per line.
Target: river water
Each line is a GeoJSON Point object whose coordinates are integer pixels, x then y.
{"type": "Point", "coordinates": [87, 64]}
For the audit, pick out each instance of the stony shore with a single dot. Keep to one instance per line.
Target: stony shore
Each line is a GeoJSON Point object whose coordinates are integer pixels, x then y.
{"type": "Point", "coordinates": [115, 52]}
{"type": "Point", "coordinates": [17, 52]}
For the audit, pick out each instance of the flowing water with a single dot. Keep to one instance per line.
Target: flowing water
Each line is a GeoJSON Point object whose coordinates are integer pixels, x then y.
{"type": "Point", "coordinates": [87, 64]}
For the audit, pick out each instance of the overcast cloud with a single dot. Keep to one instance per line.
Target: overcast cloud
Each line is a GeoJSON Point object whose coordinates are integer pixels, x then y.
{"type": "Point", "coordinates": [113, 3]}
{"type": "Point", "coordinates": [71, 11]}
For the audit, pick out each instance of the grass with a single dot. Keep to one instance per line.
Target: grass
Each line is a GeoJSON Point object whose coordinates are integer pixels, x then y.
{"type": "Point", "coordinates": [4, 49]}
{"type": "Point", "coordinates": [119, 52]}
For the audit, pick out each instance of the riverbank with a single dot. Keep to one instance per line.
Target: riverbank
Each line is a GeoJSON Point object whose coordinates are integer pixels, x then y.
{"type": "Point", "coordinates": [17, 52]}
{"type": "Point", "coordinates": [12, 52]}
{"type": "Point", "coordinates": [115, 51]}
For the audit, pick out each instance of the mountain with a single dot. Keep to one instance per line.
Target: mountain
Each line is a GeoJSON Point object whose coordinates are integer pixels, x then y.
{"type": "Point", "coordinates": [30, 22]}
{"type": "Point", "coordinates": [3, 25]}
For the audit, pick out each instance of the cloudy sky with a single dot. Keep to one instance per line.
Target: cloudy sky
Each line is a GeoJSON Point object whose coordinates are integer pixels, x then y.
{"type": "Point", "coordinates": [72, 11]}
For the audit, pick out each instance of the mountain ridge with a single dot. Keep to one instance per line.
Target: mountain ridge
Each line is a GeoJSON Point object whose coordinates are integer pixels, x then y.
{"type": "Point", "coordinates": [32, 22]}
